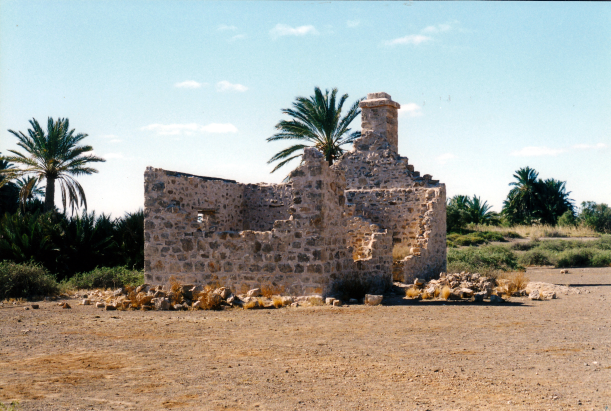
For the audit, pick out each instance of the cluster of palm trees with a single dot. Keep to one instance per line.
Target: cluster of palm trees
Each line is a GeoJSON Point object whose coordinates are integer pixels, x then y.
{"type": "Point", "coordinates": [536, 201]}
{"type": "Point", "coordinates": [32, 229]}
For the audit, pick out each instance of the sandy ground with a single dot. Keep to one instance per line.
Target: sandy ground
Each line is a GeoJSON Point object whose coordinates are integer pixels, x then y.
{"type": "Point", "coordinates": [415, 355]}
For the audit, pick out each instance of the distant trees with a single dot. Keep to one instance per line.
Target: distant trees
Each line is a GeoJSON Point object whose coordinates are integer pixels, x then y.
{"type": "Point", "coordinates": [9, 192]}
{"type": "Point", "coordinates": [462, 210]}
{"type": "Point", "coordinates": [316, 122]}
{"type": "Point", "coordinates": [52, 156]}
{"type": "Point", "coordinates": [536, 201]}
{"type": "Point", "coordinates": [596, 216]}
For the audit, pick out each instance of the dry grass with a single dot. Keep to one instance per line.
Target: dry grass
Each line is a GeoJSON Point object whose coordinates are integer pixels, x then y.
{"type": "Point", "coordinates": [251, 304]}
{"type": "Point", "coordinates": [520, 280]}
{"type": "Point", "coordinates": [412, 292]}
{"type": "Point", "coordinates": [277, 301]}
{"type": "Point", "coordinates": [269, 290]}
{"type": "Point", "coordinates": [445, 292]}
{"type": "Point", "coordinates": [399, 252]}
{"type": "Point", "coordinates": [426, 296]}
{"type": "Point", "coordinates": [437, 292]}
{"type": "Point", "coordinates": [176, 289]}
{"type": "Point", "coordinates": [539, 231]}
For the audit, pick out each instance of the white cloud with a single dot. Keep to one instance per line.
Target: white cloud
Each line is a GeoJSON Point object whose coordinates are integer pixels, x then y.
{"type": "Point", "coordinates": [189, 84]}
{"type": "Point", "coordinates": [113, 156]}
{"type": "Point", "coordinates": [227, 86]}
{"type": "Point", "coordinates": [190, 129]}
{"type": "Point", "coordinates": [286, 30]}
{"type": "Point", "coordinates": [533, 151]}
{"type": "Point", "coordinates": [238, 37]}
{"type": "Point", "coordinates": [589, 146]}
{"type": "Point", "coordinates": [440, 28]}
{"type": "Point", "coordinates": [414, 39]}
{"type": "Point", "coordinates": [410, 109]}
{"type": "Point", "coordinates": [353, 23]}
{"type": "Point", "coordinates": [224, 27]}
{"type": "Point", "coordinates": [444, 158]}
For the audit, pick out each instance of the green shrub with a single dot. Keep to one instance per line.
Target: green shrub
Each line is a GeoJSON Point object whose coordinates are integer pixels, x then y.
{"type": "Point", "coordinates": [525, 246]}
{"type": "Point", "coordinates": [601, 259]}
{"type": "Point", "coordinates": [536, 257]}
{"type": "Point", "coordinates": [473, 238]}
{"type": "Point", "coordinates": [106, 277]}
{"type": "Point", "coordinates": [484, 260]}
{"type": "Point", "coordinates": [25, 280]}
{"type": "Point", "coordinates": [567, 219]}
{"type": "Point", "coordinates": [596, 216]}
{"type": "Point", "coordinates": [575, 258]}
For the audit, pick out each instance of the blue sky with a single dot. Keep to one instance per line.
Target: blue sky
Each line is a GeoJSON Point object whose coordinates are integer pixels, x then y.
{"type": "Point", "coordinates": [486, 87]}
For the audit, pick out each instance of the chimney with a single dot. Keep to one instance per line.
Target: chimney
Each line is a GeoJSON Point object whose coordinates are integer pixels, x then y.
{"type": "Point", "coordinates": [379, 117]}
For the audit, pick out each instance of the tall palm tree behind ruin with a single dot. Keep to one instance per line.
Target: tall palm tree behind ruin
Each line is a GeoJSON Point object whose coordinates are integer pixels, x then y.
{"type": "Point", "coordinates": [53, 156]}
{"type": "Point", "coordinates": [316, 122]}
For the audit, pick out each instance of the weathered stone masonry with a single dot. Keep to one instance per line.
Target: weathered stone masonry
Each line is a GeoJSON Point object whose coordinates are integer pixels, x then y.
{"type": "Point", "coordinates": [324, 226]}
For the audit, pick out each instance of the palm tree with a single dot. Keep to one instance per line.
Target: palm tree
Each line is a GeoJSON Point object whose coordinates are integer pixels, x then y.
{"type": "Point", "coordinates": [9, 192]}
{"type": "Point", "coordinates": [524, 199]}
{"type": "Point", "coordinates": [29, 190]}
{"type": "Point", "coordinates": [54, 155]}
{"type": "Point", "coordinates": [317, 122]}
{"type": "Point", "coordinates": [555, 202]}
{"type": "Point", "coordinates": [479, 212]}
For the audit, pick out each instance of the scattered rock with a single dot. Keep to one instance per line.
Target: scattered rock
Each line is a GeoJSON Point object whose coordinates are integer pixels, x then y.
{"type": "Point", "coordinates": [564, 271]}
{"type": "Point", "coordinates": [162, 304]}
{"type": "Point", "coordinates": [100, 305]}
{"type": "Point", "coordinates": [419, 282]}
{"type": "Point", "coordinates": [287, 300]}
{"type": "Point", "coordinates": [110, 307]}
{"type": "Point", "coordinates": [534, 295]}
{"type": "Point", "coordinates": [353, 301]}
{"type": "Point", "coordinates": [66, 306]}
{"type": "Point", "coordinates": [86, 302]}
{"type": "Point", "coordinates": [329, 300]}
{"type": "Point", "coordinates": [35, 307]}
{"type": "Point", "coordinates": [255, 292]}
{"type": "Point", "coordinates": [315, 300]}
{"type": "Point", "coordinates": [294, 305]}
{"type": "Point", "coordinates": [479, 297]}
{"type": "Point", "coordinates": [26, 308]}
{"type": "Point", "coordinates": [197, 305]}
{"type": "Point", "coordinates": [496, 299]}
{"type": "Point", "coordinates": [549, 295]}
{"type": "Point", "coordinates": [337, 303]}
{"type": "Point", "coordinates": [465, 293]}
{"type": "Point", "coordinates": [373, 299]}
{"type": "Point", "coordinates": [177, 307]}
{"type": "Point", "coordinates": [118, 292]}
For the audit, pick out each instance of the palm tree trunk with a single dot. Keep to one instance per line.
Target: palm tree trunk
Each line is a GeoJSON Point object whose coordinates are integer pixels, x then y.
{"type": "Point", "coordinates": [50, 194]}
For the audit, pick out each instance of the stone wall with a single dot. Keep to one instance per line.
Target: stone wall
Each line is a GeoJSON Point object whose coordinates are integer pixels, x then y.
{"type": "Point", "coordinates": [328, 228]}
{"type": "Point", "coordinates": [304, 254]}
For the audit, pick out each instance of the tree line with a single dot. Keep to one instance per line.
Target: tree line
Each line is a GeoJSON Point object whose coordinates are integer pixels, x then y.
{"type": "Point", "coordinates": [531, 201]}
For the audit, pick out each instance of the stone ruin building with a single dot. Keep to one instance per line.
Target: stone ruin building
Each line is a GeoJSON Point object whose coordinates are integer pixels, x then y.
{"type": "Point", "coordinates": [329, 225]}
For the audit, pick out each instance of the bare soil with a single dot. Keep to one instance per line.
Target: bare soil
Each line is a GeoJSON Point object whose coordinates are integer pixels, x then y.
{"type": "Point", "coordinates": [409, 355]}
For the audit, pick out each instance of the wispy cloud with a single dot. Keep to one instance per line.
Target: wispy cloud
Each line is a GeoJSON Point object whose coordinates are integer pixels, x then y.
{"type": "Point", "coordinates": [286, 30]}
{"type": "Point", "coordinates": [353, 23]}
{"type": "Point", "coordinates": [224, 27]}
{"type": "Point", "coordinates": [238, 37]}
{"type": "Point", "coordinates": [589, 146]}
{"type": "Point", "coordinates": [190, 129]}
{"type": "Point", "coordinates": [414, 39]}
{"type": "Point", "coordinates": [189, 84]}
{"type": "Point", "coordinates": [533, 151]}
{"type": "Point", "coordinates": [113, 156]}
{"type": "Point", "coordinates": [112, 138]}
{"type": "Point", "coordinates": [440, 28]}
{"type": "Point", "coordinates": [444, 158]}
{"type": "Point", "coordinates": [227, 86]}
{"type": "Point", "coordinates": [410, 109]}
{"type": "Point", "coordinates": [425, 36]}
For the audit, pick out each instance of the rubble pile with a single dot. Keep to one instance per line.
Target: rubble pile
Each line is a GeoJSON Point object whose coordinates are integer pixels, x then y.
{"type": "Point", "coordinates": [463, 286]}
{"type": "Point", "coordinates": [185, 297]}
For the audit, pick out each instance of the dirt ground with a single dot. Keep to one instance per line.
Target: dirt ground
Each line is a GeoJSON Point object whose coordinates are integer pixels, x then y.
{"type": "Point", "coordinates": [413, 355]}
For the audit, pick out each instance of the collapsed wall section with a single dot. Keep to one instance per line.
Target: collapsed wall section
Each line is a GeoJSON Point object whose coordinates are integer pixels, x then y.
{"type": "Point", "coordinates": [264, 204]}
{"type": "Point", "coordinates": [383, 187]}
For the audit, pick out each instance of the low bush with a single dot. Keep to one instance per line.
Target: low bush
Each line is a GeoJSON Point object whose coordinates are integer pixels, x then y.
{"type": "Point", "coordinates": [25, 280]}
{"type": "Point", "coordinates": [106, 277]}
{"type": "Point", "coordinates": [485, 260]}
{"type": "Point", "coordinates": [473, 238]}
{"type": "Point", "coordinates": [584, 257]}
{"type": "Point", "coordinates": [537, 257]}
